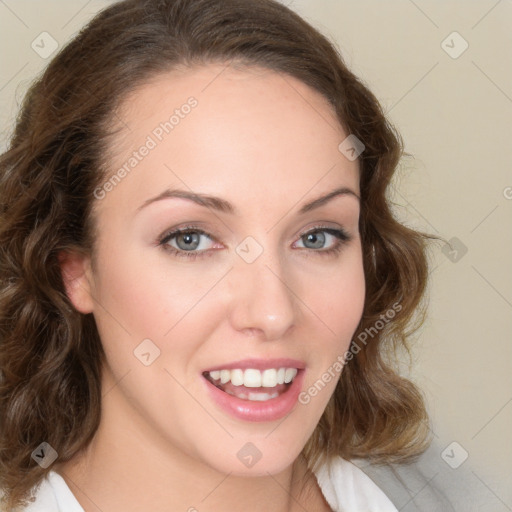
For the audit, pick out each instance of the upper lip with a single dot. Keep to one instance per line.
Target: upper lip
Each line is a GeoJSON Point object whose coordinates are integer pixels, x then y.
{"type": "Point", "coordinates": [259, 364]}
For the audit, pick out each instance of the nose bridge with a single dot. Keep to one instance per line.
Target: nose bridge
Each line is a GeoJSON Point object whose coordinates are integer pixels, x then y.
{"type": "Point", "coordinates": [262, 298]}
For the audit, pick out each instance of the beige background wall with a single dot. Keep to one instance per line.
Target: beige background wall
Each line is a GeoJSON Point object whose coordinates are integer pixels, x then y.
{"type": "Point", "coordinates": [454, 110]}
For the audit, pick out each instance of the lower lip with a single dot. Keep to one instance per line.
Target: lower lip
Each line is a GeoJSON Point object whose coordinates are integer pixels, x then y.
{"type": "Point", "coordinates": [246, 410]}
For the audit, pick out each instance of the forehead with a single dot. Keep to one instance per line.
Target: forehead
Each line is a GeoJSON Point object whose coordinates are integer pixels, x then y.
{"type": "Point", "coordinates": [217, 128]}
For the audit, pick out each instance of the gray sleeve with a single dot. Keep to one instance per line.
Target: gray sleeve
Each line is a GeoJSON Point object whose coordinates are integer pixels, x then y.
{"type": "Point", "coordinates": [435, 483]}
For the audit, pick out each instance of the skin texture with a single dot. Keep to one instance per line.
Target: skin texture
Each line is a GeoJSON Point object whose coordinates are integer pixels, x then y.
{"type": "Point", "coordinates": [268, 144]}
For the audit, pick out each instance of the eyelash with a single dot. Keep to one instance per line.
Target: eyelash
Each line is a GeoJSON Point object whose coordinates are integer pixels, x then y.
{"type": "Point", "coordinates": [342, 237]}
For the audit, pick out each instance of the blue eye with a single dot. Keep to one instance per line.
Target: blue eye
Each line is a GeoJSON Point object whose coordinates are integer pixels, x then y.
{"type": "Point", "coordinates": [318, 238]}
{"type": "Point", "coordinates": [187, 241]}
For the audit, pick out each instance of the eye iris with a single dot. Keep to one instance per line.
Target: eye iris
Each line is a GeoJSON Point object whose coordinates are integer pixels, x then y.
{"type": "Point", "coordinates": [318, 239]}
{"type": "Point", "coordinates": [191, 239]}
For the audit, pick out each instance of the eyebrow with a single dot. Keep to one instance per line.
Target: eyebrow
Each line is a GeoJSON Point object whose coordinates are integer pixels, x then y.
{"type": "Point", "coordinates": [221, 205]}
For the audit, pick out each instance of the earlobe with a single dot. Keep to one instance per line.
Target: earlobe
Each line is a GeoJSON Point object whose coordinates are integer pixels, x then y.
{"type": "Point", "coordinates": [77, 279]}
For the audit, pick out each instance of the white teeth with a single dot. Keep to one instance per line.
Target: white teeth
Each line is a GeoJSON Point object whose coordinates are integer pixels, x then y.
{"type": "Point", "coordinates": [290, 374]}
{"type": "Point", "coordinates": [237, 377]}
{"type": "Point", "coordinates": [252, 378]}
{"type": "Point", "coordinates": [253, 397]}
{"type": "Point", "coordinates": [261, 397]}
{"type": "Point", "coordinates": [269, 378]}
{"type": "Point", "coordinates": [225, 376]}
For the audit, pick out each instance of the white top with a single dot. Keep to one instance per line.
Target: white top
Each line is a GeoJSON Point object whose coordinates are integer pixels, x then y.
{"type": "Point", "coordinates": [345, 487]}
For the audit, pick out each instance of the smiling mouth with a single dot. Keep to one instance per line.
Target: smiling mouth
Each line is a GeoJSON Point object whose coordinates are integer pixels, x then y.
{"type": "Point", "coordinates": [252, 384]}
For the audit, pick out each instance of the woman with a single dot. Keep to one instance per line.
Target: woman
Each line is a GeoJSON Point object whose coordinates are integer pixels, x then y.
{"type": "Point", "coordinates": [201, 273]}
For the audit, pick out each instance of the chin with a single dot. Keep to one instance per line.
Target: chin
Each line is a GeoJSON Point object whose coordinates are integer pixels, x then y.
{"type": "Point", "coordinates": [254, 456]}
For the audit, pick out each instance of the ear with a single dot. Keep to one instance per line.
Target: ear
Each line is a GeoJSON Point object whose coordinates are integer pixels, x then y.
{"type": "Point", "coordinates": [77, 278]}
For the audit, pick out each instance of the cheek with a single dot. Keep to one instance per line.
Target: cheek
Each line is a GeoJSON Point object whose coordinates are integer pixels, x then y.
{"type": "Point", "coordinates": [138, 299]}
{"type": "Point", "coordinates": [338, 305]}
{"type": "Point", "coordinates": [140, 296]}
{"type": "Point", "coordinates": [338, 297]}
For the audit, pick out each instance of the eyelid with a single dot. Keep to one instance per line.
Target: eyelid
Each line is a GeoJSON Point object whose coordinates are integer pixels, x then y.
{"type": "Point", "coordinates": [338, 232]}
{"type": "Point", "coordinates": [172, 233]}
{"type": "Point", "coordinates": [319, 226]}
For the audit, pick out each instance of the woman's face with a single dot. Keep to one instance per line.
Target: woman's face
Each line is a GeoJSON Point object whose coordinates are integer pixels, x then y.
{"type": "Point", "coordinates": [260, 288]}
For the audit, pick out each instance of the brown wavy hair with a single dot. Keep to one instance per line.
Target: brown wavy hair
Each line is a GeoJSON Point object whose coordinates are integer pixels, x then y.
{"type": "Point", "coordinates": [51, 355]}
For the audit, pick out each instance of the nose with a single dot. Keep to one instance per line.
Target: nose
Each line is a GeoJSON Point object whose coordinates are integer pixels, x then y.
{"type": "Point", "coordinates": [263, 303]}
